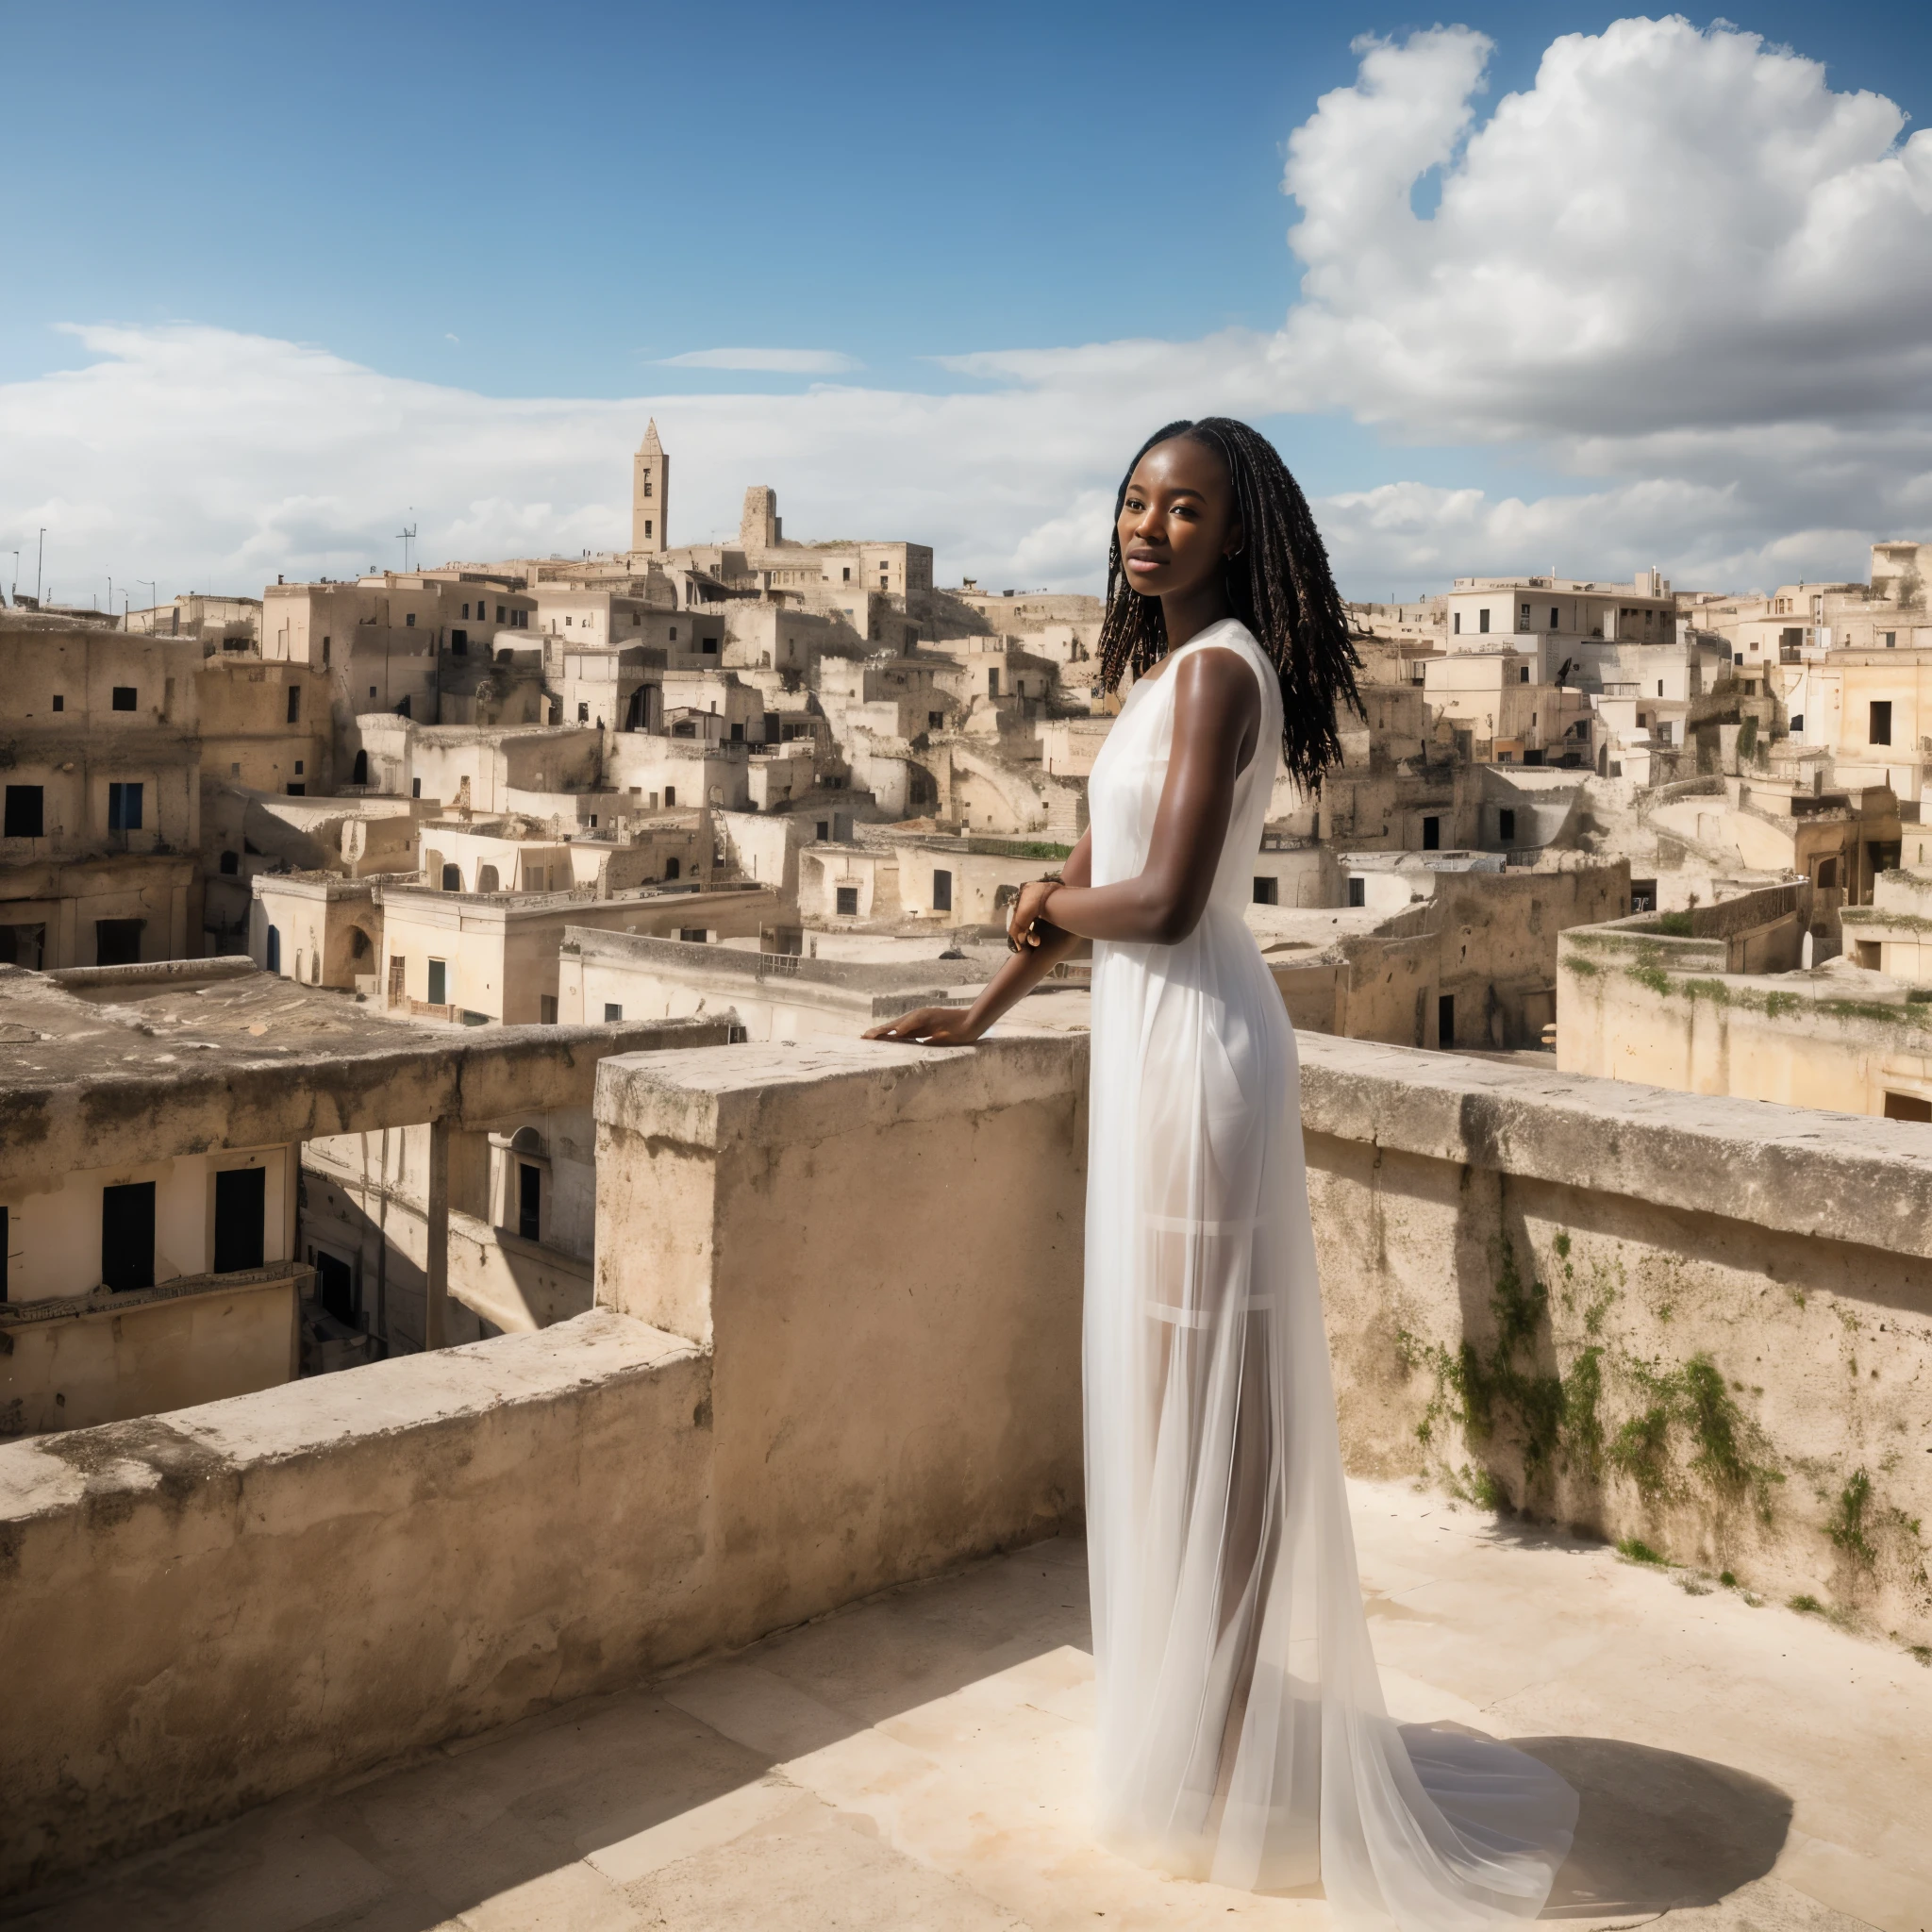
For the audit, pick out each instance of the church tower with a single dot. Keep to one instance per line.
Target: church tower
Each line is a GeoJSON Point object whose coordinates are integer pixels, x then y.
{"type": "Point", "coordinates": [650, 494]}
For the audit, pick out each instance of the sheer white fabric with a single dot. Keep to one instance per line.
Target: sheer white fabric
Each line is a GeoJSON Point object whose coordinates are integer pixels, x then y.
{"type": "Point", "coordinates": [1242, 1735]}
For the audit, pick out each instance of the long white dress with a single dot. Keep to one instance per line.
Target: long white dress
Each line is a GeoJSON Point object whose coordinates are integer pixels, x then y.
{"type": "Point", "coordinates": [1242, 1735]}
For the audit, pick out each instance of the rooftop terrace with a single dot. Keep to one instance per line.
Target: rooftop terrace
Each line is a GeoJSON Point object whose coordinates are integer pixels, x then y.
{"type": "Point", "coordinates": [462, 1638]}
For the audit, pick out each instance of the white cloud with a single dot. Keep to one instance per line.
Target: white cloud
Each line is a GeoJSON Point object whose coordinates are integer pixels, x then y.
{"type": "Point", "coordinates": [770, 361]}
{"type": "Point", "coordinates": [1677, 268]}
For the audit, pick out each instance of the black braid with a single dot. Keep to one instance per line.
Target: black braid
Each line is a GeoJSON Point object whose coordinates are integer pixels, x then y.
{"type": "Point", "coordinates": [1278, 585]}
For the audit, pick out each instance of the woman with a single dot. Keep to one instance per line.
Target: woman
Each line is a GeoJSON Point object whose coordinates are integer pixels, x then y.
{"type": "Point", "coordinates": [1242, 1735]}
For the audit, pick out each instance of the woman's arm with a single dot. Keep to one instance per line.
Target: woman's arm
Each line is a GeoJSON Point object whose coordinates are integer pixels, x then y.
{"type": "Point", "coordinates": [1216, 717]}
{"type": "Point", "coordinates": [1016, 978]}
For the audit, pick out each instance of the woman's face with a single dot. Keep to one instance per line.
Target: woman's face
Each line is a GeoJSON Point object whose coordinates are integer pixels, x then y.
{"type": "Point", "coordinates": [1178, 521]}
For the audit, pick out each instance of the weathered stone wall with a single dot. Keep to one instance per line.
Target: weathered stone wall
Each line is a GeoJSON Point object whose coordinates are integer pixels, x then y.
{"type": "Point", "coordinates": [1704, 1324]}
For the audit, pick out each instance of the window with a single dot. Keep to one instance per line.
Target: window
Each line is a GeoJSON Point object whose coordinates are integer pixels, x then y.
{"type": "Point", "coordinates": [124, 807]}
{"type": "Point", "coordinates": [1660, 686]}
{"type": "Point", "coordinates": [1890, 644]}
{"type": "Point", "coordinates": [324, 651]}
{"type": "Point", "coordinates": [674, 633]}
{"type": "Point", "coordinates": [1828, 875]}
{"type": "Point", "coordinates": [409, 621]}
{"type": "Point", "coordinates": [1522, 674]}
{"type": "Point", "coordinates": [359, 772]}
{"type": "Point", "coordinates": [372, 691]}
{"type": "Point", "coordinates": [934, 719]}
{"type": "Point", "coordinates": [439, 983]}
{"type": "Point", "coordinates": [466, 611]}
{"type": "Point", "coordinates": [1525, 617]}
{"type": "Point", "coordinates": [583, 715]}
{"type": "Point", "coordinates": [670, 799]}
{"type": "Point", "coordinates": [1870, 954]}
{"type": "Point", "coordinates": [546, 1010]}
{"type": "Point", "coordinates": [529, 1201]}
{"type": "Point", "coordinates": [694, 935]}
{"type": "Point", "coordinates": [1432, 835]}
{"type": "Point", "coordinates": [1907, 1107]}
{"type": "Point", "coordinates": [460, 642]}
{"type": "Point", "coordinates": [25, 811]}
{"type": "Point", "coordinates": [1357, 892]}
{"type": "Point", "coordinates": [1881, 721]}
{"type": "Point", "coordinates": [272, 957]}
{"type": "Point", "coordinates": [22, 945]}
{"type": "Point", "coordinates": [128, 1236]}
{"type": "Point", "coordinates": [611, 1012]}
{"type": "Point", "coordinates": [231, 863]}
{"type": "Point", "coordinates": [60, 702]}
{"type": "Point", "coordinates": [1553, 617]}
{"type": "Point", "coordinates": [1267, 891]}
{"type": "Point", "coordinates": [647, 491]}
{"type": "Point", "coordinates": [823, 830]}
{"type": "Point", "coordinates": [1445, 1020]}
{"type": "Point", "coordinates": [710, 645]}
{"type": "Point", "coordinates": [452, 882]}
{"type": "Point", "coordinates": [499, 613]}
{"type": "Point", "coordinates": [1797, 723]}
{"type": "Point", "coordinates": [125, 697]}
{"type": "Point", "coordinates": [1456, 623]}
{"type": "Point", "coordinates": [848, 902]}
{"type": "Point", "coordinates": [415, 787]}
{"type": "Point", "coordinates": [1482, 620]}
{"type": "Point", "coordinates": [241, 1215]}
{"type": "Point", "coordinates": [647, 526]}
{"type": "Point", "coordinates": [672, 867]}
{"type": "Point", "coordinates": [295, 788]}
{"type": "Point", "coordinates": [845, 576]}
{"type": "Point", "coordinates": [1506, 826]}
{"type": "Point", "coordinates": [942, 891]}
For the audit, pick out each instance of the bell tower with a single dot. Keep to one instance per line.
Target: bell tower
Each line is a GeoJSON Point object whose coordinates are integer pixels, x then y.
{"type": "Point", "coordinates": [650, 494]}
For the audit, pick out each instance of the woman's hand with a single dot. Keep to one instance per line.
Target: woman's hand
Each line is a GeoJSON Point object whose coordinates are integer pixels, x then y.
{"type": "Point", "coordinates": [931, 1026]}
{"type": "Point", "coordinates": [1022, 929]}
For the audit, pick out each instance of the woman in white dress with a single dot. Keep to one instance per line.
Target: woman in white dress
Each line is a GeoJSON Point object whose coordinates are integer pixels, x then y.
{"type": "Point", "coordinates": [1242, 1735]}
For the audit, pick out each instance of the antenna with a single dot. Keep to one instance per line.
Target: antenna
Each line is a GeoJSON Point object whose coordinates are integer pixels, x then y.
{"type": "Point", "coordinates": [408, 535]}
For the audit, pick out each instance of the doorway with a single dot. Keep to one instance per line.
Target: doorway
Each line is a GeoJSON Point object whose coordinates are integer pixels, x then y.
{"type": "Point", "coordinates": [240, 1212]}
{"type": "Point", "coordinates": [117, 942]}
{"type": "Point", "coordinates": [335, 1287]}
{"type": "Point", "coordinates": [128, 1236]}
{"type": "Point", "coordinates": [1445, 1020]}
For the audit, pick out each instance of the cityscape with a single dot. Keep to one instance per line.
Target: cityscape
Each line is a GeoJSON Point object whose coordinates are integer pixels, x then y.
{"type": "Point", "coordinates": [513, 1413]}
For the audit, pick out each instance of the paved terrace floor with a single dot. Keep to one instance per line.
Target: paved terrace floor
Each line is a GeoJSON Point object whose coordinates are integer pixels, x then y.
{"type": "Point", "coordinates": [921, 1761]}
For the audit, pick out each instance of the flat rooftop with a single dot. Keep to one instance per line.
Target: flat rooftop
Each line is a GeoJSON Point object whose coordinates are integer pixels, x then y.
{"type": "Point", "coordinates": [922, 1760]}
{"type": "Point", "coordinates": [103, 1064]}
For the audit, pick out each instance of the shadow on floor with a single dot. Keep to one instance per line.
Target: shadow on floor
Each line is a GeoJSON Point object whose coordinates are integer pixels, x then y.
{"type": "Point", "coordinates": [1657, 1829]}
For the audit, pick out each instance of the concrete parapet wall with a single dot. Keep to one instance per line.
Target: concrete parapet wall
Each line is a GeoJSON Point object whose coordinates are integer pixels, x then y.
{"type": "Point", "coordinates": [1702, 1324]}
{"type": "Point", "coordinates": [880, 1247]}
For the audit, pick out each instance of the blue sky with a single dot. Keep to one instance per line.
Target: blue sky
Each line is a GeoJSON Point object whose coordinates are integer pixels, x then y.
{"type": "Point", "coordinates": [515, 203]}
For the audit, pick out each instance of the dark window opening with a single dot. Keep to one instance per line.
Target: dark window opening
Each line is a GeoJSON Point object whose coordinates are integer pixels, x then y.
{"type": "Point", "coordinates": [1357, 892]}
{"type": "Point", "coordinates": [452, 879]}
{"type": "Point", "coordinates": [546, 1009]}
{"type": "Point", "coordinates": [117, 942]}
{"type": "Point", "coordinates": [3, 1254]}
{"type": "Point", "coordinates": [359, 772]}
{"type": "Point", "coordinates": [124, 807]}
{"type": "Point", "coordinates": [294, 704]}
{"type": "Point", "coordinates": [439, 983]}
{"type": "Point", "coordinates": [125, 697]}
{"type": "Point", "coordinates": [848, 902]}
{"type": "Point", "coordinates": [459, 639]}
{"type": "Point", "coordinates": [1907, 1107]}
{"type": "Point", "coordinates": [241, 1213]}
{"type": "Point", "coordinates": [1506, 826]}
{"type": "Point", "coordinates": [1432, 835]}
{"type": "Point", "coordinates": [25, 812]}
{"type": "Point", "coordinates": [1828, 875]}
{"type": "Point", "coordinates": [60, 702]}
{"type": "Point", "coordinates": [530, 1199]}
{"type": "Point", "coordinates": [415, 787]}
{"type": "Point", "coordinates": [1881, 721]}
{"type": "Point", "coordinates": [1267, 891]}
{"type": "Point", "coordinates": [1644, 895]}
{"type": "Point", "coordinates": [23, 945]}
{"type": "Point", "coordinates": [335, 1288]}
{"type": "Point", "coordinates": [942, 893]}
{"type": "Point", "coordinates": [297, 791]}
{"type": "Point", "coordinates": [613, 1012]}
{"type": "Point", "coordinates": [272, 957]}
{"type": "Point", "coordinates": [1445, 1020]}
{"type": "Point", "coordinates": [672, 867]}
{"type": "Point", "coordinates": [1482, 620]}
{"type": "Point", "coordinates": [128, 1236]}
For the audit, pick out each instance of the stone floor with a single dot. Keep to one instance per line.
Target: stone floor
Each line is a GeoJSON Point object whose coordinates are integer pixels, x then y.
{"type": "Point", "coordinates": [921, 1761]}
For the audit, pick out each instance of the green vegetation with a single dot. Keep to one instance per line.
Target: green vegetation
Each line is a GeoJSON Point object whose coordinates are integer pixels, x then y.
{"type": "Point", "coordinates": [1847, 1526]}
{"type": "Point", "coordinates": [1632, 1549]}
{"type": "Point", "coordinates": [1806, 1604]}
{"type": "Point", "coordinates": [1747, 737]}
{"type": "Point", "coordinates": [1675, 925]}
{"type": "Point", "coordinates": [1584, 968]}
{"type": "Point", "coordinates": [1728, 1578]}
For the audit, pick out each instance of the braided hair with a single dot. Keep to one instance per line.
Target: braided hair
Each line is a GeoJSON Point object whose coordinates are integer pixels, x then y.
{"type": "Point", "coordinates": [1277, 584]}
